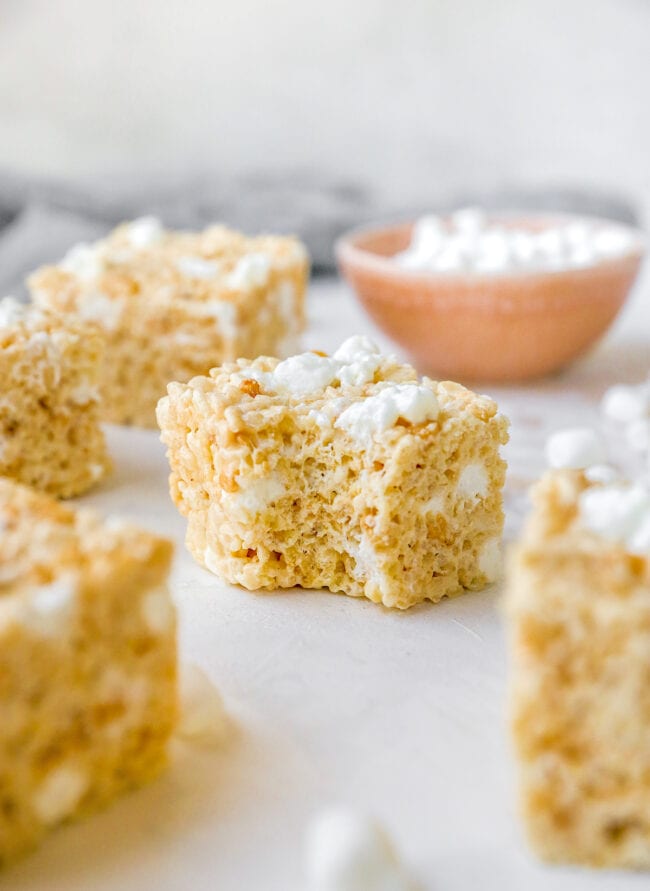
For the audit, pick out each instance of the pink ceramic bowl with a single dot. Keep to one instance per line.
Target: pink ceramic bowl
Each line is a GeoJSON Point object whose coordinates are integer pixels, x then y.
{"type": "Point", "coordinates": [487, 326]}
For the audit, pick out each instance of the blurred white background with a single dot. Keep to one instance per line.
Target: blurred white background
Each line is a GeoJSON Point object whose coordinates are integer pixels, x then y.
{"type": "Point", "coordinates": [411, 97]}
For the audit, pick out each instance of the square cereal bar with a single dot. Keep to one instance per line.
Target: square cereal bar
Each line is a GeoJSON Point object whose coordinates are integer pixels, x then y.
{"type": "Point", "coordinates": [347, 473]}
{"type": "Point", "coordinates": [578, 609]}
{"type": "Point", "coordinates": [50, 436]}
{"type": "Point", "coordinates": [175, 304]}
{"type": "Point", "coordinates": [87, 663]}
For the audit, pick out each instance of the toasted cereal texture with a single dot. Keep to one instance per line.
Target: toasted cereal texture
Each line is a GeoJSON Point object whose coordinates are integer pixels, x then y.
{"type": "Point", "coordinates": [50, 436]}
{"type": "Point", "coordinates": [277, 495]}
{"type": "Point", "coordinates": [87, 663]}
{"type": "Point", "coordinates": [578, 610]}
{"type": "Point", "coordinates": [174, 304]}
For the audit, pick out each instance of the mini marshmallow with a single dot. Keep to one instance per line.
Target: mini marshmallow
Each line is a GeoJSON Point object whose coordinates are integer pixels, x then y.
{"type": "Point", "coordinates": [346, 851]}
{"type": "Point", "coordinates": [415, 403]}
{"type": "Point", "coordinates": [625, 404]}
{"type": "Point", "coordinates": [251, 271]}
{"type": "Point", "coordinates": [602, 473]}
{"type": "Point", "coordinates": [12, 312]}
{"type": "Point", "coordinates": [469, 220]}
{"type": "Point", "coordinates": [60, 793]}
{"type": "Point", "coordinates": [469, 242]}
{"type": "Point", "coordinates": [144, 232]}
{"type": "Point", "coordinates": [84, 261]}
{"type": "Point", "coordinates": [637, 434]}
{"type": "Point", "coordinates": [197, 267]}
{"type": "Point", "coordinates": [616, 512]}
{"type": "Point", "coordinates": [639, 540]}
{"type": "Point", "coordinates": [575, 449]}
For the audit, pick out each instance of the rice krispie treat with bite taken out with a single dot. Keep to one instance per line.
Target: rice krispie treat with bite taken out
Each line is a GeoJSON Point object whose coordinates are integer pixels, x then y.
{"type": "Point", "coordinates": [87, 663]}
{"type": "Point", "coordinates": [175, 304]}
{"type": "Point", "coordinates": [348, 473]}
{"type": "Point", "coordinates": [50, 436]}
{"type": "Point", "coordinates": [578, 609]}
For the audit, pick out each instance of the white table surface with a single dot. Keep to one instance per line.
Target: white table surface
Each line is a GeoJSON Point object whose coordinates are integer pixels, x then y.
{"type": "Point", "coordinates": [336, 701]}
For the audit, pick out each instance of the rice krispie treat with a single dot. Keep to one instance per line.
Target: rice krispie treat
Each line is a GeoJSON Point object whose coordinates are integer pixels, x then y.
{"type": "Point", "coordinates": [175, 304]}
{"type": "Point", "coordinates": [87, 663]}
{"type": "Point", "coordinates": [50, 436]}
{"type": "Point", "coordinates": [578, 608]}
{"type": "Point", "coordinates": [347, 473]}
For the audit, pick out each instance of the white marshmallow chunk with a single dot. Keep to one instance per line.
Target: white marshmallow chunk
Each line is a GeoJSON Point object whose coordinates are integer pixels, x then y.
{"type": "Point", "coordinates": [12, 312]}
{"type": "Point", "coordinates": [625, 404]}
{"type": "Point", "coordinates": [252, 271]}
{"type": "Point", "coordinates": [354, 363]}
{"type": "Point", "coordinates": [575, 448]}
{"type": "Point", "coordinates": [639, 541]}
{"type": "Point", "coordinates": [346, 851]}
{"type": "Point", "coordinates": [637, 434]}
{"type": "Point", "coordinates": [602, 473]}
{"type": "Point", "coordinates": [83, 260]}
{"type": "Point", "coordinates": [412, 402]}
{"type": "Point", "coordinates": [197, 267]}
{"type": "Point", "coordinates": [616, 512]}
{"type": "Point", "coordinates": [469, 241]}
{"type": "Point", "coordinates": [490, 559]}
{"type": "Point", "coordinates": [102, 309]}
{"type": "Point", "coordinates": [473, 482]}
{"type": "Point", "coordinates": [144, 232]}
{"type": "Point", "coordinates": [59, 793]}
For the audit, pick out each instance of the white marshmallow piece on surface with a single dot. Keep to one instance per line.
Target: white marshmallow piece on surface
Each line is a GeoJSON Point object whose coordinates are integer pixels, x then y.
{"type": "Point", "coordinates": [637, 435]}
{"type": "Point", "coordinates": [575, 449]}
{"type": "Point", "coordinates": [625, 404]}
{"type": "Point", "coordinates": [346, 851]}
{"type": "Point", "coordinates": [203, 717]}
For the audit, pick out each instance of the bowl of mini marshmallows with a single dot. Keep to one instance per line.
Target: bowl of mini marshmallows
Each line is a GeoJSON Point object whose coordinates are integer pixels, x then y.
{"type": "Point", "coordinates": [496, 298]}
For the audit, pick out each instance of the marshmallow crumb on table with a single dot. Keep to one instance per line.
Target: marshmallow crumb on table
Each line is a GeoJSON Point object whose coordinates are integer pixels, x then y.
{"type": "Point", "coordinates": [50, 435]}
{"type": "Point", "coordinates": [346, 472]}
{"type": "Point", "coordinates": [174, 304]}
{"type": "Point", "coordinates": [629, 407]}
{"type": "Point", "coordinates": [575, 448]}
{"type": "Point", "coordinates": [469, 241]}
{"type": "Point", "coordinates": [346, 851]}
{"type": "Point", "coordinates": [578, 609]}
{"type": "Point", "coordinates": [87, 681]}
{"type": "Point", "coordinates": [627, 403]}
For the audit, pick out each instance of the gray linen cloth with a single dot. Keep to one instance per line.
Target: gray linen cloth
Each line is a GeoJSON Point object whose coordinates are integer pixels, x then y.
{"type": "Point", "coordinates": [40, 218]}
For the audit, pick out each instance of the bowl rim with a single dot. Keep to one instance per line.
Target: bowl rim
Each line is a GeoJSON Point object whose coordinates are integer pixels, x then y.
{"type": "Point", "coordinates": [347, 251]}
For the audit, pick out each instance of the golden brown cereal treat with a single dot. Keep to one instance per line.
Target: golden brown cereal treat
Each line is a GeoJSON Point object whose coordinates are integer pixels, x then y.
{"type": "Point", "coordinates": [578, 609]}
{"type": "Point", "coordinates": [87, 663]}
{"type": "Point", "coordinates": [175, 304]}
{"type": "Point", "coordinates": [50, 436]}
{"type": "Point", "coordinates": [347, 473]}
